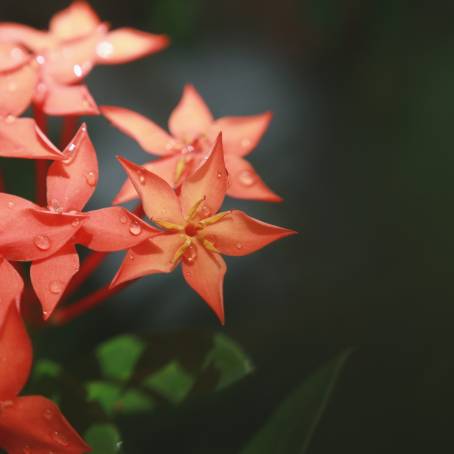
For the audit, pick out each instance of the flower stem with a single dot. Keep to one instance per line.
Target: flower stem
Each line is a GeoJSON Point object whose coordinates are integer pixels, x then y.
{"type": "Point", "coordinates": [40, 165]}
{"type": "Point", "coordinates": [65, 315]}
{"type": "Point", "coordinates": [69, 128]}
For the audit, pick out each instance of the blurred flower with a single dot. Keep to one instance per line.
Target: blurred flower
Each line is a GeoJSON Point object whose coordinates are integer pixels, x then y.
{"type": "Point", "coordinates": [193, 132]}
{"type": "Point", "coordinates": [194, 230]}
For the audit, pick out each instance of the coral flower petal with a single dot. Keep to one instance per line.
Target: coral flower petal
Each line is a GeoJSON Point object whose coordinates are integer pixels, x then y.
{"type": "Point", "coordinates": [208, 182]}
{"type": "Point", "coordinates": [205, 274]}
{"type": "Point", "coordinates": [244, 182]}
{"type": "Point", "coordinates": [35, 40]}
{"type": "Point", "coordinates": [75, 21]}
{"type": "Point", "coordinates": [71, 183]}
{"type": "Point", "coordinates": [12, 56]}
{"type": "Point", "coordinates": [164, 168]}
{"type": "Point", "coordinates": [191, 117]}
{"type": "Point", "coordinates": [35, 424]}
{"type": "Point", "coordinates": [127, 44]}
{"type": "Point", "coordinates": [113, 229]}
{"type": "Point", "coordinates": [11, 287]}
{"type": "Point", "coordinates": [158, 198]}
{"type": "Point", "coordinates": [30, 233]}
{"type": "Point", "coordinates": [21, 138]}
{"type": "Point", "coordinates": [149, 135]}
{"type": "Point", "coordinates": [241, 134]}
{"type": "Point", "coordinates": [68, 100]}
{"type": "Point", "coordinates": [150, 257]}
{"type": "Point", "coordinates": [15, 357]}
{"type": "Point", "coordinates": [238, 234]}
{"type": "Point", "coordinates": [51, 276]}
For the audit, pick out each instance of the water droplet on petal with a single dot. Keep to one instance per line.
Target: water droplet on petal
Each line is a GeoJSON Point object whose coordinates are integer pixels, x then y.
{"type": "Point", "coordinates": [76, 222]}
{"type": "Point", "coordinates": [123, 219]}
{"type": "Point", "coordinates": [104, 49]}
{"type": "Point", "coordinates": [71, 147]}
{"type": "Point", "coordinates": [40, 59]}
{"type": "Point", "coordinates": [135, 228]}
{"type": "Point", "coordinates": [91, 178]}
{"type": "Point", "coordinates": [42, 242]}
{"type": "Point", "coordinates": [60, 438]}
{"type": "Point", "coordinates": [190, 254]}
{"type": "Point", "coordinates": [77, 70]}
{"type": "Point", "coordinates": [55, 206]}
{"type": "Point", "coordinates": [247, 178]}
{"type": "Point", "coordinates": [10, 119]}
{"type": "Point", "coordinates": [56, 287]}
{"type": "Point", "coordinates": [219, 174]}
{"type": "Point", "coordinates": [11, 204]}
{"type": "Point", "coordinates": [131, 256]}
{"type": "Point", "coordinates": [48, 414]}
{"type": "Point", "coordinates": [205, 211]}
{"type": "Point", "coordinates": [141, 177]}
{"type": "Point", "coordinates": [239, 245]}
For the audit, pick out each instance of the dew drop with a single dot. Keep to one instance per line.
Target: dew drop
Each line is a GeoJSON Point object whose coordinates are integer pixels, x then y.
{"type": "Point", "coordinates": [10, 118]}
{"type": "Point", "coordinates": [42, 242]}
{"type": "Point", "coordinates": [141, 177]}
{"type": "Point", "coordinates": [131, 257]}
{"type": "Point", "coordinates": [71, 147]}
{"type": "Point", "coordinates": [77, 70]}
{"type": "Point", "coordinates": [247, 178]}
{"type": "Point", "coordinates": [55, 206]}
{"type": "Point", "coordinates": [239, 245]}
{"type": "Point", "coordinates": [190, 254]}
{"type": "Point", "coordinates": [48, 414]}
{"type": "Point", "coordinates": [205, 211]}
{"type": "Point", "coordinates": [55, 287]}
{"type": "Point", "coordinates": [60, 438]}
{"type": "Point", "coordinates": [123, 219]}
{"type": "Point", "coordinates": [104, 49]}
{"type": "Point", "coordinates": [219, 174]}
{"type": "Point", "coordinates": [40, 59]}
{"type": "Point", "coordinates": [11, 204]}
{"type": "Point", "coordinates": [91, 178]}
{"type": "Point", "coordinates": [135, 228]}
{"type": "Point", "coordinates": [76, 222]}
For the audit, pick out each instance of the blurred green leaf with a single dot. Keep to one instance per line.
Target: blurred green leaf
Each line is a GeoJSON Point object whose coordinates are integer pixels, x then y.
{"type": "Point", "coordinates": [118, 357]}
{"type": "Point", "coordinates": [134, 401]}
{"type": "Point", "coordinates": [290, 429]}
{"type": "Point", "coordinates": [106, 394]}
{"type": "Point", "coordinates": [45, 368]}
{"type": "Point", "coordinates": [229, 360]}
{"type": "Point", "coordinates": [103, 439]}
{"type": "Point", "coordinates": [171, 382]}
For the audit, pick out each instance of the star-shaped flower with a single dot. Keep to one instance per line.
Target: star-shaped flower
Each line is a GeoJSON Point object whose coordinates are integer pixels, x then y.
{"type": "Point", "coordinates": [28, 424]}
{"type": "Point", "coordinates": [76, 41]}
{"type": "Point", "coordinates": [193, 131]}
{"type": "Point", "coordinates": [194, 232]}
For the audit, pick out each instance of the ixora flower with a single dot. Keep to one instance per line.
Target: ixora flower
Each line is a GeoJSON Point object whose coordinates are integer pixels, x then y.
{"type": "Point", "coordinates": [194, 232]}
{"type": "Point", "coordinates": [28, 424]}
{"type": "Point", "coordinates": [193, 132]}
{"type": "Point", "coordinates": [76, 41]}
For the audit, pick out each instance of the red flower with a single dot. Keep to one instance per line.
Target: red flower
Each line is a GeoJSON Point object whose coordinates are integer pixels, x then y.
{"type": "Point", "coordinates": [193, 131]}
{"type": "Point", "coordinates": [194, 231]}
{"type": "Point", "coordinates": [76, 41]}
{"type": "Point", "coordinates": [28, 424]}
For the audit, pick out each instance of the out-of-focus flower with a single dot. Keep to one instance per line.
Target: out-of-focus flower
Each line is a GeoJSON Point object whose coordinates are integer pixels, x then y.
{"type": "Point", "coordinates": [28, 424]}
{"type": "Point", "coordinates": [195, 233]}
{"type": "Point", "coordinates": [76, 41]}
{"type": "Point", "coordinates": [193, 132]}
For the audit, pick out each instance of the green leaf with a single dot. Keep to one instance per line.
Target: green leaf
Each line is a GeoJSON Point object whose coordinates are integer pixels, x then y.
{"type": "Point", "coordinates": [118, 357]}
{"type": "Point", "coordinates": [290, 428]}
{"type": "Point", "coordinates": [134, 401]}
{"type": "Point", "coordinates": [229, 360]}
{"type": "Point", "coordinates": [106, 394]}
{"type": "Point", "coordinates": [46, 368]}
{"type": "Point", "coordinates": [171, 382]}
{"type": "Point", "coordinates": [103, 439]}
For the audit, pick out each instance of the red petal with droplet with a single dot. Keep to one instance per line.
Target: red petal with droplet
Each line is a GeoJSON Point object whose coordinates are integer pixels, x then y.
{"type": "Point", "coordinates": [238, 234]}
{"type": "Point", "coordinates": [15, 357]}
{"type": "Point", "coordinates": [208, 182]}
{"type": "Point", "coordinates": [158, 198]}
{"type": "Point", "coordinates": [244, 182]}
{"type": "Point", "coordinates": [75, 21]}
{"type": "Point", "coordinates": [36, 423]}
{"type": "Point", "coordinates": [241, 134]}
{"type": "Point", "coordinates": [191, 117]}
{"type": "Point", "coordinates": [11, 287]}
{"type": "Point", "coordinates": [127, 44]}
{"type": "Point", "coordinates": [149, 135]}
{"type": "Point", "coordinates": [21, 138]}
{"type": "Point", "coordinates": [113, 229]}
{"type": "Point", "coordinates": [71, 183]}
{"type": "Point", "coordinates": [205, 274]}
{"type": "Point", "coordinates": [51, 276]}
{"type": "Point", "coordinates": [149, 257]}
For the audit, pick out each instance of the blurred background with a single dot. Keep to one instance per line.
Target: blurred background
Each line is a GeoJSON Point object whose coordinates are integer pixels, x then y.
{"type": "Point", "coordinates": [360, 147]}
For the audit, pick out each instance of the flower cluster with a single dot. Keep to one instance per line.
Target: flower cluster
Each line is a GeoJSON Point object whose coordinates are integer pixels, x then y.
{"type": "Point", "coordinates": [200, 161]}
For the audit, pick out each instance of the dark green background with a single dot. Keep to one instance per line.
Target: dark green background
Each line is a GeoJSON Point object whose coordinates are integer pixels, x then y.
{"type": "Point", "coordinates": [361, 147]}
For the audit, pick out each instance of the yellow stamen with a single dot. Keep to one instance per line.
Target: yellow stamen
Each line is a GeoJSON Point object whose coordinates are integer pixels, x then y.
{"type": "Point", "coordinates": [210, 246]}
{"type": "Point", "coordinates": [194, 209]}
{"type": "Point", "coordinates": [213, 219]}
{"type": "Point", "coordinates": [180, 168]}
{"type": "Point", "coordinates": [181, 250]}
{"type": "Point", "coordinates": [168, 225]}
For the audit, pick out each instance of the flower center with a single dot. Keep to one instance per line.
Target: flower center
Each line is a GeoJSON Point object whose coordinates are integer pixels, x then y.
{"type": "Point", "coordinates": [191, 229]}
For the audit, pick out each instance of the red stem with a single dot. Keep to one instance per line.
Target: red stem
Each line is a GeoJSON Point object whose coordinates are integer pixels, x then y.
{"type": "Point", "coordinates": [69, 128]}
{"type": "Point", "coordinates": [68, 313]}
{"type": "Point", "coordinates": [40, 165]}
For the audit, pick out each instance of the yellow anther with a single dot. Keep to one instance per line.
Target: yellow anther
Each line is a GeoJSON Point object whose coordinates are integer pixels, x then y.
{"type": "Point", "coordinates": [210, 246]}
{"type": "Point", "coordinates": [180, 168]}
{"type": "Point", "coordinates": [181, 250]}
{"type": "Point", "coordinates": [194, 209]}
{"type": "Point", "coordinates": [213, 219]}
{"type": "Point", "coordinates": [168, 225]}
